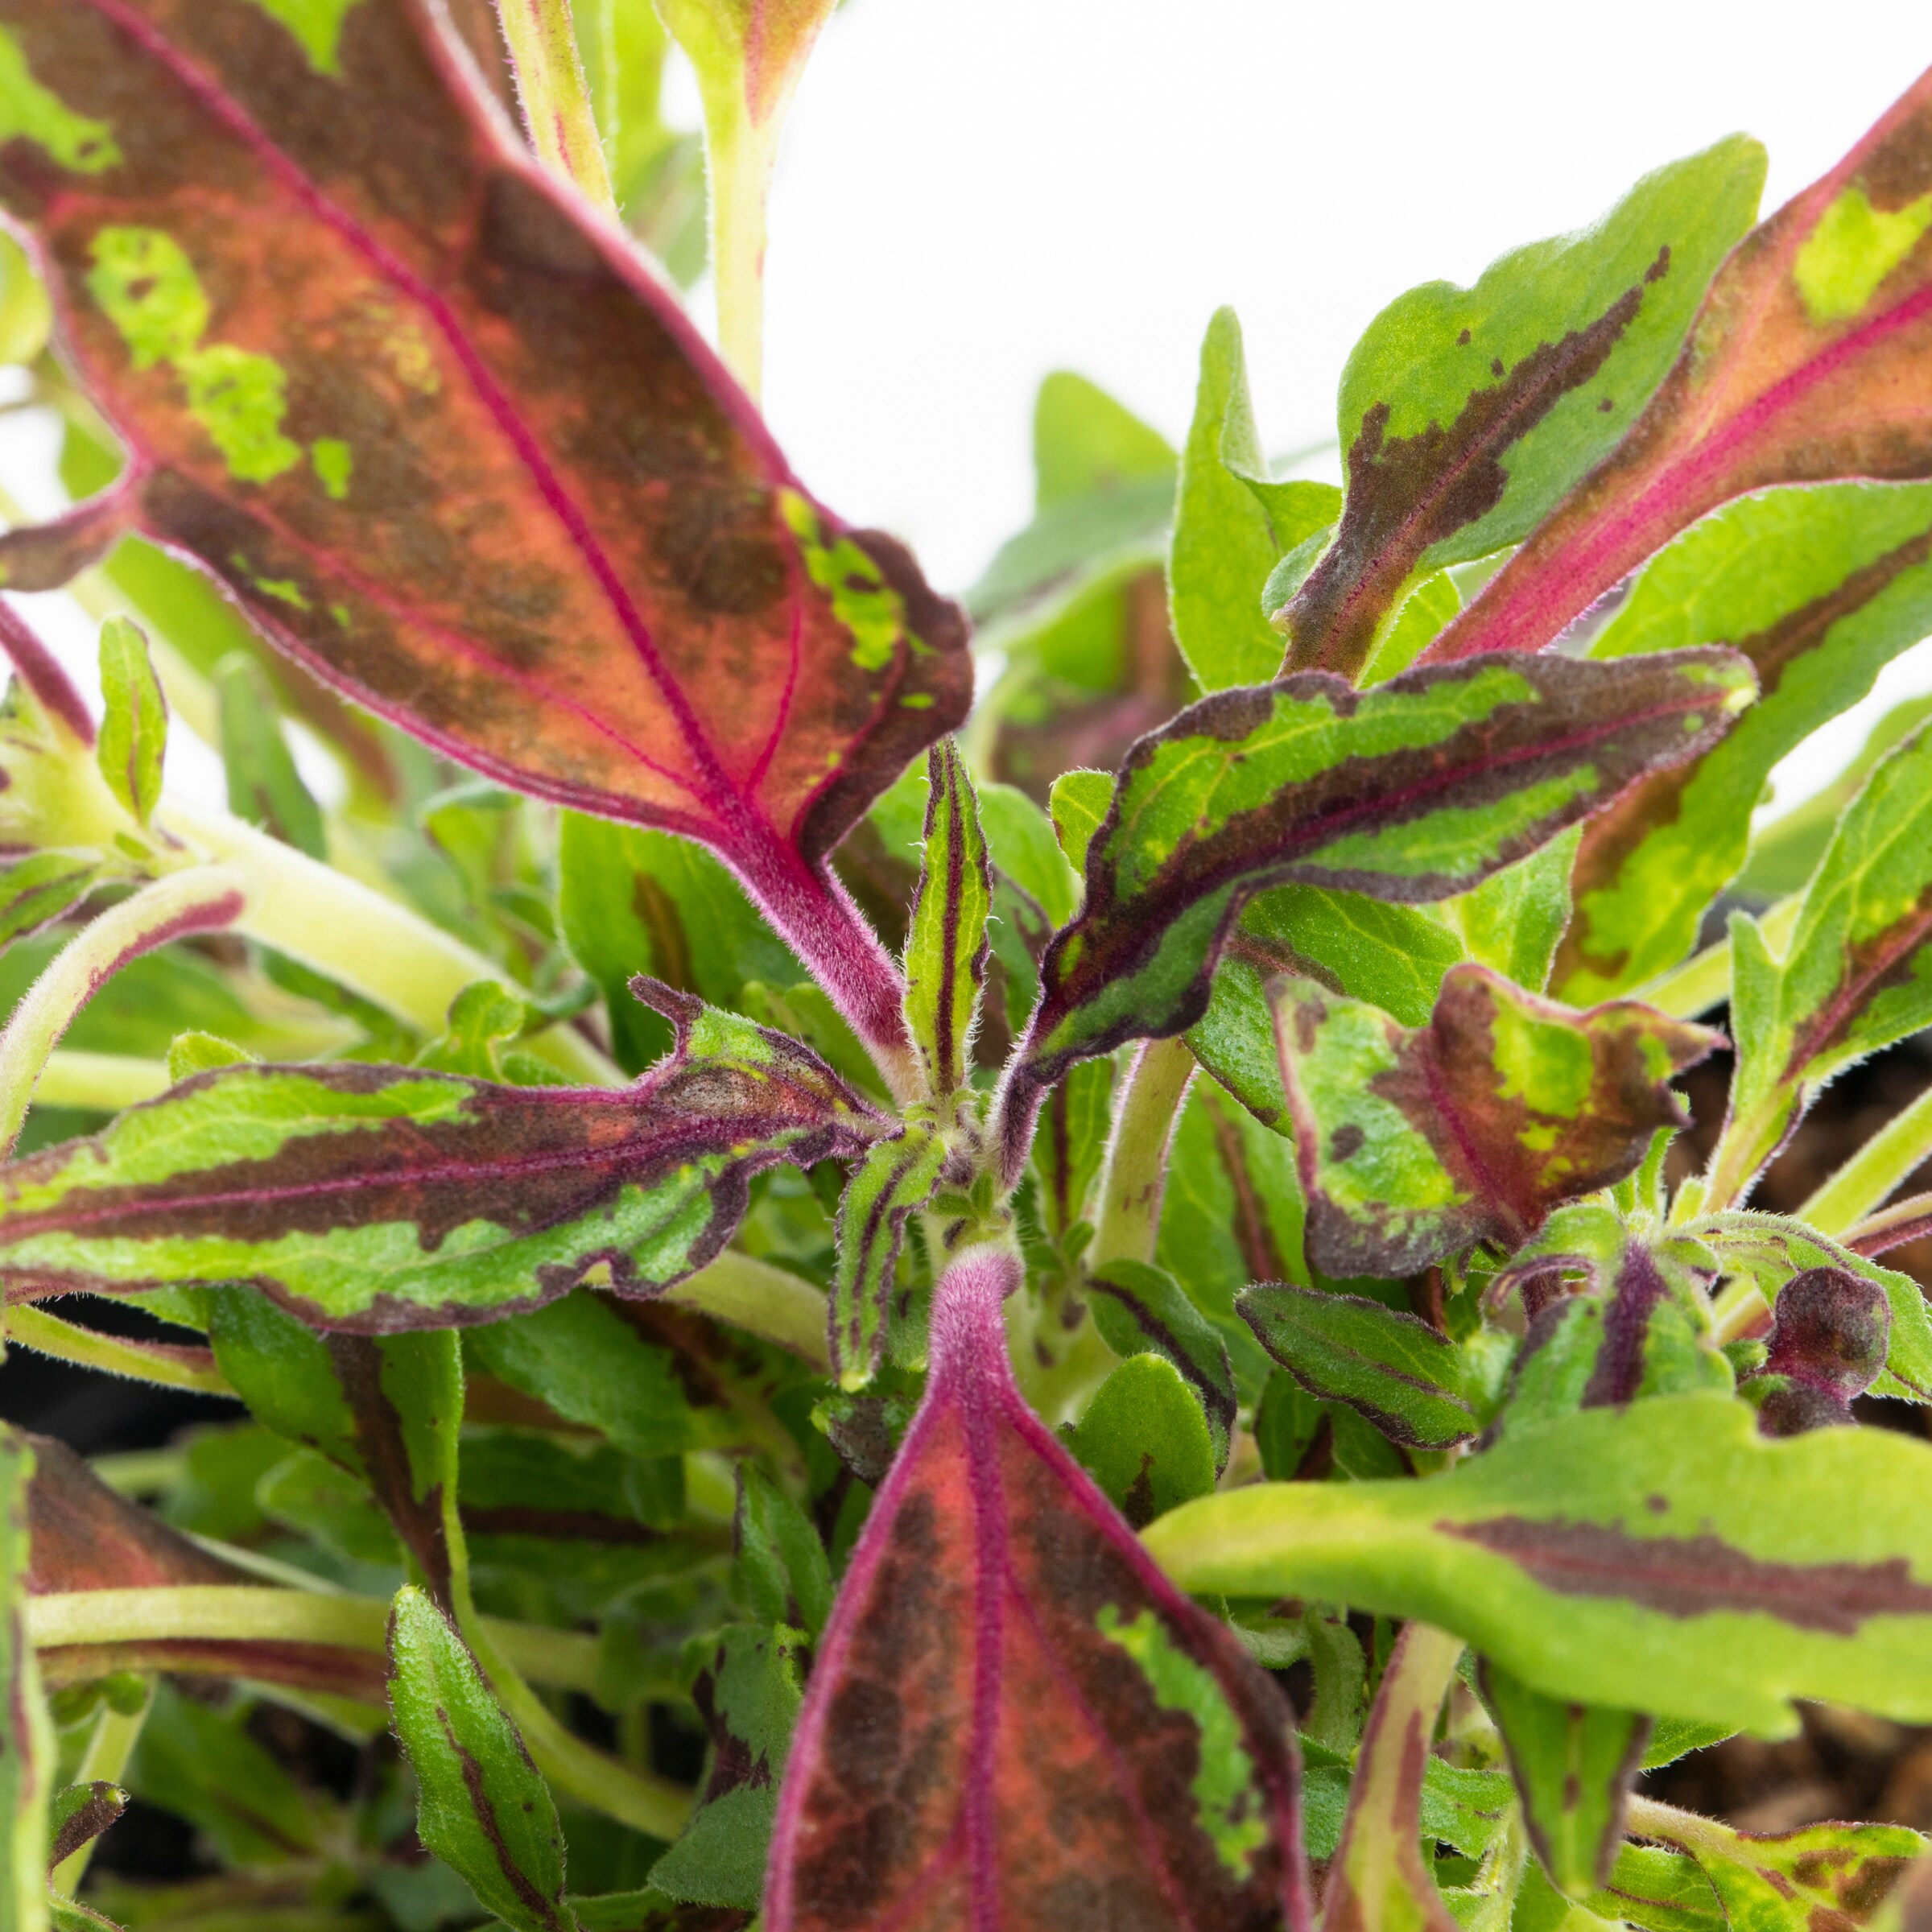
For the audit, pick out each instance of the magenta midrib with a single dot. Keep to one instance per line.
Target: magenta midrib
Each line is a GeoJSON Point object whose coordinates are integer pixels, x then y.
{"type": "Point", "coordinates": [1606, 552]}
{"type": "Point", "coordinates": [733, 807]}
{"type": "Point", "coordinates": [988, 1502]}
{"type": "Point", "coordinates": [628, 1155]}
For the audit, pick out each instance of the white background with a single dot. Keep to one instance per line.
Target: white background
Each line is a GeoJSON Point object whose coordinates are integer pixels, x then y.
{"type": "Point", "coordinates": [973, 192]}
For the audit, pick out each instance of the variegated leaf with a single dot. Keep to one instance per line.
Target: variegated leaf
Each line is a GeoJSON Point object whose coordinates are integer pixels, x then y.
{"type": "Point", "coordinates": [946, 946]}
{"type": "Point", "coordinates": [895, 1179]}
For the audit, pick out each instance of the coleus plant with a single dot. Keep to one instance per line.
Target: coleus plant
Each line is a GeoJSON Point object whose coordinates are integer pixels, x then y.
{"type": "Point", "coordinates": [831, 1289]}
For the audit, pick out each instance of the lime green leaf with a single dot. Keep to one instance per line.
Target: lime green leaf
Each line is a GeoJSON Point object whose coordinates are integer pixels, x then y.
{"type": "Point", "coordinates": [1793, 1882]}
{"type": "Point", "coordinates": [1413, 1142]}
{"type": "Point", "coordinates": [1663, 1557]}
{"type": "Point", "coordinates": [133, 728]}
{"type": "Point", "coordinates": [482, 1807]}
{"type": "Point", "coordinates": [1514, 920]}
{"type": "Point", "coordinates": [1232, 525]}
{"type": "Point", "coordinates": [1079, 804]}
{"type": "Point", "coordinates": [1142, 1310]}
{"type": "Point", "coordinates": [263, 785]}
{"type": "Point", "coordinates": [896, 1178]}
{"type": "Point", "coordinates": [1143, 1439]}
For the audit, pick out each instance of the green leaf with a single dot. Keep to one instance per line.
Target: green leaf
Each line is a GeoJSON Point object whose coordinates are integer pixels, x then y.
{"type": "Point", "coordinates": [1659, 1891]}
{"type": "Point", "coordinates": [79, 1814]}
{"type": "Point", "coordinates": [1418, 1387]}
{"type": "Point", "coordinates": [36, 890]}
{"type": "Point", "coordinates": [746, 1689]}
{"type": "Point", "coordinates": [1079, 804]}
{"type": "Point", "coordinates": [1819, 589]}
{"type": "Point", "coordinates": [1232, 524]}
{"type": "Point", "coordinates": [134, 727]}
{"type": "Point", "coordinates": [482, 1807]}
{"type": "Point", "coordinates": [1514, 920]}
{"type": "Point", "coordinates": [583, 1360]}
{"type": "Point", "coordinates": [945, 962]}
{"type": "Point", "coordinates": [27, 1744]}
{"type": "Point", "coordinates": [1144, 1440]}
{"type": "Point", "coordinates": [1415, 791]}
{"type": "Point", "coordinates": [1467, 413]}
{"type": "Point", "coordinates": [1085, 443]}
{"type": "Point", "coordinates": [1856, 974]}
{"type": "Point", "coordinates": [1572, 1764]}
{"type": "Point", "coordinates": [1021, 839]}
{"type": "Point", "coordinates": [377, 1195]}
{"type": "Point", "coordinates": [1070, 1145]}
{"type": "Point", "coordinates": [631, 902]}
{"type": "Point", "coordinates": [1663, 1557]}
{"type": "Point", "coordinates": [1142, 1310]}
{"type": "Point", "coordinates": [1393, 956]}
{"type": "Point", "coordinates": [779, 1571]}
{"type": "Point", "coordinates": [1413, 1142]}
{"type": "Point", "coordinates": [1792, 1881]}
{"type": "Point", "coordinates": [896, 1178]}
{"type": "Point", "coordinates": [201, 1763]}
{"type": "Point", "coordinates": [264, 787]}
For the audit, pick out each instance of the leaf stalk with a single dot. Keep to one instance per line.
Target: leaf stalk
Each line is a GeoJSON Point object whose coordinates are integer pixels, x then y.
{"type": "Point", "coordinates": [556, 105]}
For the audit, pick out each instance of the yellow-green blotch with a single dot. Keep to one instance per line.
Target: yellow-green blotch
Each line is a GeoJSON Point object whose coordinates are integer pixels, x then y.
{"type": "Point", "coordinates": [1852, 249]}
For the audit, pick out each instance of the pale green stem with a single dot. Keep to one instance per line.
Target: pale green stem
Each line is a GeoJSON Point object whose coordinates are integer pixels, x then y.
{"type": "Point", "coordinates": [710, 1486]}
{"type": "Point", "coordinates": [556, 103]}
{"type": "Point", "coordinates": [1645, 1818]}
{"type": "Point", "coordinates": [1738, 1309]}
{"type": "Point", "coordinates": [213, 894]}
{"type": "Point", "coordinates": [1134, 1173]}
{"type": "Point", "coordinates": [741, 152]}
{"type": "Point", "coordinates": [112, 1743]}
{"type": "Point", "coordinates": [1704, 979]}
{"type": "Point", "coordinates": [754, 1295]}
{"type": "Point", "coordinates": [248, 1614]}
{"type": "Point", "coordinates": [103, 1083]}
{"type": "Point", "coordinates": [374, 946]}
{"type": "Point", "coordinates": [1880, 1166]}
{"type": "Point", "coordinates": [47, 1335]}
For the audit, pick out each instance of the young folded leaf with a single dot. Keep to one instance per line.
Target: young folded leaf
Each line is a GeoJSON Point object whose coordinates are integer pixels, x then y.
{"type": "Point", "coordinates": [1819, 589]}
{"type": "Point", "coordinates": [1465, 413]}
{"type": "Point", "coordinates": [78, 1816]}
{"type": "Point", "coordinates": [1143, 1310]}
{"type": "Point", "coordinates": [1413, 1142]}
{"type": "Point", "coordinates": [38, 888]}
{"type": "Point", "coordinates": [1415, 791]}
{"type": "Point", "coordinates": [459, 450]}
{"type": "Point", "coordinates": [1377, 1881]}
{"type": "Point", "coordinates": [1827, 1345]}
{"type": "Point", "coordinates": [1418, 1387]}
{"type": "Point", "coordinates": [385, 1408]}
{"type": "Point", "coordinates": [381, 1198]}
{"type": "Point", "coordinates": [1232, 525]}
{"type": "Point", "coordinates": [897, 1179]}
{"type": "Point", "coordinates": [1013, 1718]}
{"type": "Point", "coordinates": [1854, 976]}
{"type": "Point", "coordinates": [85, 1537]}
{"type": "Point", "coordinates": [133, 729]}
{"type": "Point", "coordinates": [26, 1747]}
{"type": "Point", "coordinates": [946, 946]}
{"type": "Point", "coordinates": [779, 1571]}
{"type": "Point", "coordinates": [1662, 1557]}
{"type": "Point", "coordinates": [481, 1806]}
{"type": "Point", "coordinates": [1803, 366]}
{"type": "Point", "coordinates": [264, 786]}
{"type": "Point", "coordinates": [1572, 1764]}
{"type": "Point", "coordinates": [1831, 1874]}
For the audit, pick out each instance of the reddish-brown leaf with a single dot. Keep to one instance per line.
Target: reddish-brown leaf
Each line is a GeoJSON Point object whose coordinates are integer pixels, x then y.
{"type": "Point", "coordinates": [1808, 361]}
{"type": "Point", "coordinates": [441, 431]}
{"type": "Point", "coordinates": [1015, 1719]}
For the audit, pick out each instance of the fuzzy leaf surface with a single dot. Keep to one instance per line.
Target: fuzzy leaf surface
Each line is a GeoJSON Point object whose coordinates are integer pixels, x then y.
{"type": "Point", "coordinates": [1465, 413]}
{"type": "Point", "coordinates": [133, 730]}
{"type": "Point", "coordinates": [482, 1807]}
{"type": "Point", "coordinates": [1782, 1881]}
{"type": "Point", "coordinates": [381, 1198]}
{"type": "Point", "coordinates": [1411, 1142]}
{"type": "Point", "coordinates": [1819, 590]}
{"type": "Point", "coordinates": [1662, 1557]}
{"type": "Point", "coordinates": [1143, 1310]}
{"type": "Point", "coordinates": [1415, 791]}
{"type": "Point", "coordinates": [455, 448]}
{"type": "Point", "coordinates": [1802, 366]}
{"type": "Point", "coordinates": [1000, 1640]}
{"type": "Point", "coordinates": [1144, 1440]}
{"type": "Point", "coordinates": [897, 1179]}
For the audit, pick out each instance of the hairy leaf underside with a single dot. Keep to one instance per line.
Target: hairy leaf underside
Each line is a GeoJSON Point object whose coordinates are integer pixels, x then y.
{"type": "Point", "coordinates": [442, 431]}
{"type": "Point", "coordinates": [1012, 1719]}
{"type": "Point", "coordinates": [384, 1198]}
